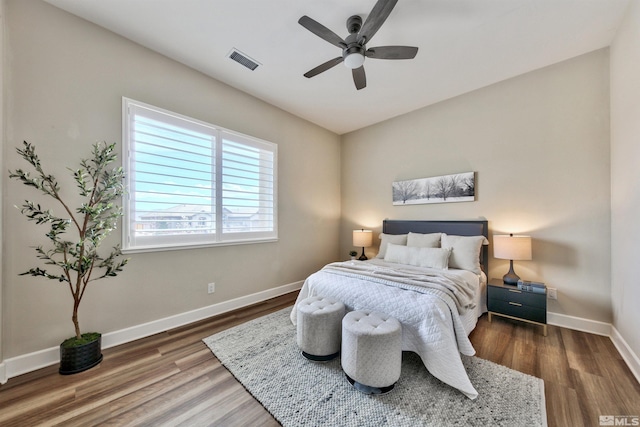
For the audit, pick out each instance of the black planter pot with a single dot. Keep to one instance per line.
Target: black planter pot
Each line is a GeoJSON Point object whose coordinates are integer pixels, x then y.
{"type": "Point", "coordinates": [78, 359]}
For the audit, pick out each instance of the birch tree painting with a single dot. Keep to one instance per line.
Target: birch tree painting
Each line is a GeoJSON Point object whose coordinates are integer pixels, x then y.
{"type": "Point", "coordinates": [459, 187]}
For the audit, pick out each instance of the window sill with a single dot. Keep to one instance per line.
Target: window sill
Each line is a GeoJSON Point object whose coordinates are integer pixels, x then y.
{"type": "Point", "coordinates": [196, 246]}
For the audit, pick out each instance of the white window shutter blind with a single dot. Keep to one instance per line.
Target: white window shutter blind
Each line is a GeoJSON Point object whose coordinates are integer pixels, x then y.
{"type": "Point", "coordinates": [247, 180]}
{"type": "Point", "coordinates": [173, 164]}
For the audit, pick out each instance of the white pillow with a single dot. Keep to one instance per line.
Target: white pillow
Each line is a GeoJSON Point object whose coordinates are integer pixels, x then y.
{"type": "Point", "coordinates": [431, 240]}
{"type": "Point", "coordinates": [419, 257]}
{"type": "Point", "coordinates": [465, 251]}
{"type": "Point", "coordinates": [398, 239]}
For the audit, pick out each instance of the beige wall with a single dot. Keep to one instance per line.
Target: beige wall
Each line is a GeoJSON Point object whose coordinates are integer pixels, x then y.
{"type": "Point", "coordinates": [65, 80]}
{"type": "Point", "coordinates": [625, 178]}
{"type": "Point", "coordinates": [540, 146]}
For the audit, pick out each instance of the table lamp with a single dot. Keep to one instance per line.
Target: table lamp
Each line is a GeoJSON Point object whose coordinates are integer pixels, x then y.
{"type": "Point", "coordinates": [363, 239]}
{"type": "Point", "coordinates": [512, 248]}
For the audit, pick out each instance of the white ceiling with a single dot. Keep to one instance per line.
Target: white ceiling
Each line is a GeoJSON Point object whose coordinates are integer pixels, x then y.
{"type": "Point", "coordinates": [463, 45]}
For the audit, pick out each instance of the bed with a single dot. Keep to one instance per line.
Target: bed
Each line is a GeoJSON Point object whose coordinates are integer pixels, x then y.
{"type": "Point", "coordinates": [430, 275]}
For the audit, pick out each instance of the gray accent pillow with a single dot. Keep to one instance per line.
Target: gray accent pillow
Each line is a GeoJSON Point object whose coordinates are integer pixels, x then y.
{"type": "Point", "coordinates": [430, 240]}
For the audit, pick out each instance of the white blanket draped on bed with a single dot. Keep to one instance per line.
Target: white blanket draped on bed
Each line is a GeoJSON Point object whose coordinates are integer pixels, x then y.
{"type": "Point", "coordinates": [427, 302]}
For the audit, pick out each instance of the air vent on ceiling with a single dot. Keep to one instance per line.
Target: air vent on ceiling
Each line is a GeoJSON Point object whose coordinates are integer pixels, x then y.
{"type": "Point", "coordinates": [243, 59]}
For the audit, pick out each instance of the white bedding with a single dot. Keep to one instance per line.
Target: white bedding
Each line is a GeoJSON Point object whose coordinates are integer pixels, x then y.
{"type": "Point", "coordinates": [433, 325]}
{"type": "Point", "coordinates": [470, 319]}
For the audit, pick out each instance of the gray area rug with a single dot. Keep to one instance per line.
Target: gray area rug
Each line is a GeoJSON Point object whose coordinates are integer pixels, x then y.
{"type": "Point", "coordinates": [262, 354]}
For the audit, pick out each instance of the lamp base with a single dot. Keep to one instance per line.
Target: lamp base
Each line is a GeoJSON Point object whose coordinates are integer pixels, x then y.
{"type": "Point", "coordinates": [511, 278]}
{"type": "Point", "coordinates": [363, 257]}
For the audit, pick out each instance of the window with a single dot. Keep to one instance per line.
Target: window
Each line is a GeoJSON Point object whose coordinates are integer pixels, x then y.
{"type": "Point", "coordinates": [194, 184]}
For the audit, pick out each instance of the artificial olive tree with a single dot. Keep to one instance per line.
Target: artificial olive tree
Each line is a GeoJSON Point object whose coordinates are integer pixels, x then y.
{"type": "Point", "coordinates": [75, 236]}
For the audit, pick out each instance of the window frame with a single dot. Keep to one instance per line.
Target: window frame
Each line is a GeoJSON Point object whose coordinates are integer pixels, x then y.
{"type": "Point", "coordinates": [132, 243]}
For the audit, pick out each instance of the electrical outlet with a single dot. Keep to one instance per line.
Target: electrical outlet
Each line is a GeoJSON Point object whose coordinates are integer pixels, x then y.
{"type": "Point", "coordinates": [211, 287]}
{"type": "Point", "coordinates": [552, 293]}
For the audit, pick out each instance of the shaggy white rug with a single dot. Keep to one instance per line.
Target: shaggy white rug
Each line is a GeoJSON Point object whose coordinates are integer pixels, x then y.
{"type": "Point", "coordinates": [262, 354]}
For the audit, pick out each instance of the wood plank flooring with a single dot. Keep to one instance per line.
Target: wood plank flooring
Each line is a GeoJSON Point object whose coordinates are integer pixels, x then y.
{"type": "Point", "coordinates": [173, 379]}
{"type": "Point", "coordinates": [584, 375]}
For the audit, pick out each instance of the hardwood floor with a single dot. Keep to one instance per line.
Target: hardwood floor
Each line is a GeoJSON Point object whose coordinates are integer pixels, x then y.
{"type": "Point", "coordinates": [173, 379]}
{"type": "Point", "coordinates": [584, 375]}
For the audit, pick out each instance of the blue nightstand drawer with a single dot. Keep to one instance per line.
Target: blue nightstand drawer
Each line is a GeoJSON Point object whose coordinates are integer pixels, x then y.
{"type": "Point", "coordinates": [518, 310]}
{"type": "Point", "coordinates": [514, 295]}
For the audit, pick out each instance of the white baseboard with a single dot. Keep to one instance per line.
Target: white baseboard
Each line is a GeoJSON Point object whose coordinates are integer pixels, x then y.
{"type": "Point", "coordinates": [3, 373]}
{"type": "Point", "coordinates": [39, 359]}
{"type": "Point", "coordinates": [632, 360]}
{"type": "Point", "coordinates": [579, 324]}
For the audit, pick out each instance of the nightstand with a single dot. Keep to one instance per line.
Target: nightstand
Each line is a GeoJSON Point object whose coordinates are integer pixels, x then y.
{"type": "Point", "coordinates": [508, 301]}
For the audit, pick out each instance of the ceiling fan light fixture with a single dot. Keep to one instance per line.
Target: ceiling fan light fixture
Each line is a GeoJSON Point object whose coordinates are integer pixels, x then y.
{"type": "Point", "coordinates": [354, 49]}
{"type": "Point", "coordinates": [354, 60]}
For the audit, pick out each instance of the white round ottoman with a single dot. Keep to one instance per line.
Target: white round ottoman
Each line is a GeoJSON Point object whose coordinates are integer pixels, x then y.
{"type": "Point", "coordinates": [318, 326]}
{"type": "Point", "coordinates": [371, 351]}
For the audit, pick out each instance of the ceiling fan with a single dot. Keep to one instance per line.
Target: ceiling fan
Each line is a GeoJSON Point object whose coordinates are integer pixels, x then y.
{"type": "Point", "coordinates": [354, 48]}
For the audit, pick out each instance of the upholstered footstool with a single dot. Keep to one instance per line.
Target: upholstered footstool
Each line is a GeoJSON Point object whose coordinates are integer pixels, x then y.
{"type": "Point", "coordinates": [319, 323]}
{"type": "Point", "coordinates": [371, 351]}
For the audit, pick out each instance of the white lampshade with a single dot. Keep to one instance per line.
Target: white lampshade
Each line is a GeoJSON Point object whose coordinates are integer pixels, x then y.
{"type": "Point", "coordinates": [362, 238]}
{"type": "Point", "coordinates": [512, 247]}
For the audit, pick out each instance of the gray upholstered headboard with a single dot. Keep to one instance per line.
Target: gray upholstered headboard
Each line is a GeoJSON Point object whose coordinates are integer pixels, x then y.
{"type": "Point", "coordinates": [460, 228]}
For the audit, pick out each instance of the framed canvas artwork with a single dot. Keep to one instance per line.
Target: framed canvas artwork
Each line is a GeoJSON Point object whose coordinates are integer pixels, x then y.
{"type": "Point", "coordinates": [459, 187]}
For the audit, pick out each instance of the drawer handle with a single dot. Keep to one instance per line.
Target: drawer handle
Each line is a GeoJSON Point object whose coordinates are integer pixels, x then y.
{"type": "Point", "coordinates": [515, 290]}
{"type": "Point", "coordinates": [515, 303]}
